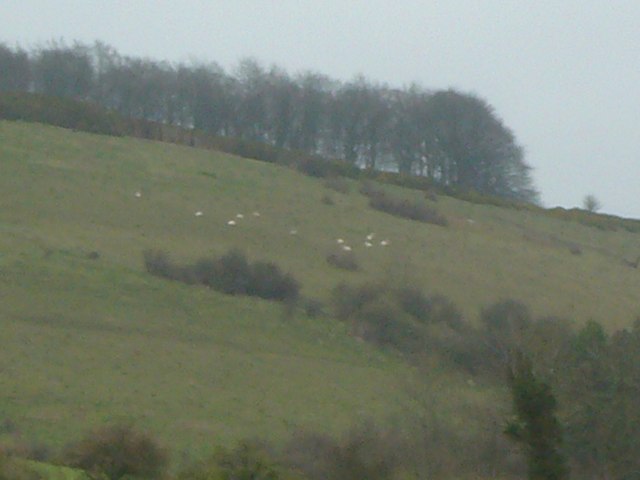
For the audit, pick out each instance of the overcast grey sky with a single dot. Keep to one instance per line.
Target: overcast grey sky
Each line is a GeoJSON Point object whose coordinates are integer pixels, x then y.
{"type": "Point", "coordinates": [563, 74]}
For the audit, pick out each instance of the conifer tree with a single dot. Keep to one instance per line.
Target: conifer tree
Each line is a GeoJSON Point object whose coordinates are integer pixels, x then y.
{"type": "Point", "coordinates": [535, 425]}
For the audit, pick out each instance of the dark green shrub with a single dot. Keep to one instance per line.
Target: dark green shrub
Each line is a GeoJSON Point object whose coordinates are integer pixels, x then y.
{"type": "Point", "coordinates": [343, 260]}
{"type": "Point", "coordinates": [313, 307]}
{"type": "Point", "coordinates": [266, 280]}
{"type": "Point", "coordinates": [535, 425]}
{"type": "Point", "coordinates": [158, 263]}
{"type": "Point", "coordinates": [443, 310]}
{"type": "Point", "coordinates": [232, 273]}
{"type": "Point", "coordinates": [414, 302]}
{"type": "Point", "coordinates": [383, 323]}
{"type": "Point", "coordinates": [376, 315]}
{"type": "Point", "coordinates": [117, 452]}
{"type": "Point", "coordinates": [348, 300]}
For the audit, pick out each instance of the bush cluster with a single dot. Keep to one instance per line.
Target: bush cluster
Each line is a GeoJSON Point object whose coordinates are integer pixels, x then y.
{"type": "Point", "coordinates": [118, 451]}
{"type": "Point", "coordinates": [343, 260]}
{"type": "Point", "coordinates": [400, 317]}
{"type": "Point", "coordinates": [231, 273]}
{"type": "Point", "coordinates": [400, 207]}
{"type": "Point", "coordinates": [413, 210]}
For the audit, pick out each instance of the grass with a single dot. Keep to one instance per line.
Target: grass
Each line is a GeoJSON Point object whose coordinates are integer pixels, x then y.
{"type": "Point", "coordinates": [87, 341]}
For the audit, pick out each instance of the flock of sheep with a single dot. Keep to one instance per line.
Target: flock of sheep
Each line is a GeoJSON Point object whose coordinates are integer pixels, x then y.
{"type": "Point", "coordinates": [368, 243]}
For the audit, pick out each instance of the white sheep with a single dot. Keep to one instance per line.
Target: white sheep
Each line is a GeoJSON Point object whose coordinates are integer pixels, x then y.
{"type": "Point", "coordinates": [368, 244]}
{"type": "Point", "coordinates": [293, 231]}
{"type": "Point", "coordinates": [346, 248]}
{"type": "Point", "coordinates": [384, 243]}
{"type": "Point", "coordinates": [239, 215]}
{"type": "Point", "coordinates": [256, 214]}
{"type": "Point", "coordinates": [340, 241]}
{"type": "Point", "coordinates": [231, 223]}
{"type": "Point", "coordinates": [198, 213]}
{"type": "Point", "coordinates": [370, 236]}
{"type": "Point", "coordinates": [137, 194]}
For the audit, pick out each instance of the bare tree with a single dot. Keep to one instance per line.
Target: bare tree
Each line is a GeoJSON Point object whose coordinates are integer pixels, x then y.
{"type": "Point", "coordinates": [591, 204]}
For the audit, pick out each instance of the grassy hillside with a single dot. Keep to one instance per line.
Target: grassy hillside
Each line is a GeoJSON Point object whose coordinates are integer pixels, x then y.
{"type": "Point", "coordinates": [87, 340]}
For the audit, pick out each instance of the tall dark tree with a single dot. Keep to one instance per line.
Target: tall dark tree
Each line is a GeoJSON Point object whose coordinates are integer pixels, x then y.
{"type": "Point", "coordinates": [205, 94]}
{"type": "Point", "coordinates": [478, 151]}
{"type": "Point", "coordinates": [15, 72]}
{"type": "Point", "coordinates": [251, 101]}
{"type": "Point", "coordinates": [535, 425]}
{"type": "Point", "coordinates": [281, 93]}
{"type": "Point", "coordinates": [311, 105]}
{"type": "Point", "coordinates": [601, 385]}
{"type": "Point", "coordinates": [63, 71]}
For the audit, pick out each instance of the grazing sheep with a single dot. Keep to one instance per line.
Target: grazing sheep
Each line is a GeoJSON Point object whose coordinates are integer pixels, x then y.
{"type": "Point", "coordinates": [231, 223]}
{"type": "Point", "coordinates": [370, 236]}
{"type": "Point", "coordinates": [137, 194]}
{"type": "Point", "coordinates": [198, 213]}
{"type": "Point", "coordinates": [384, 243]}
{"type": "Point", "coordinates": [239, 215]}
{"type": "Point", "coordinates": [346, 248]}
{"type": "Point", "coordinates": [368, 244]}
{"type": "Point", "coordinates": [256, 214]}
{"type": "Point", "coordinates": [340, 241]}
{"type": "Point", "coordinates": [293, 231]}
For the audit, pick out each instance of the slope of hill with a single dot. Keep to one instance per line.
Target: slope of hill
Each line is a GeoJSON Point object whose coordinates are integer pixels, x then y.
{"type": "Point", "coordinates": [89, 336]}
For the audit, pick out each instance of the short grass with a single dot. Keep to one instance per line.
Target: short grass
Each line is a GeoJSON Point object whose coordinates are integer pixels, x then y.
{"type": "Point", "coordinates": [87, 341]}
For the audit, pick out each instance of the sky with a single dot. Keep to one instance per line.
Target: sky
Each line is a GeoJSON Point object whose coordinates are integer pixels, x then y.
{"type": "Point", "coordinates": [564, 75]}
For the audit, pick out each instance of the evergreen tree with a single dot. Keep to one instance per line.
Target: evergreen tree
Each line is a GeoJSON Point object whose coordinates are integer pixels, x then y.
{"type": "Point", "coordinates": [535, 425]}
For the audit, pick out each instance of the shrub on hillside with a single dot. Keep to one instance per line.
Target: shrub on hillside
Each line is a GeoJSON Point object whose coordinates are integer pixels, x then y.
{"type": "Point", "coordinates": [247, 461]}
{"type": "Point", "coordinates": [337, 184]}
{"type": "Point", "coordinates": [348, 300]}
{"type": "Point", "coordinates": [401, 207]}
{"type": "Point", "coordinates": [231, 273]}
{"type": "Point", "coordinates": [12, 468]}
{"type": "Point", "coordinates": [343, 260]}
{"type": "Point", "coordinates": [383, 323]}
{"type": "Point", "coordinates": [365, 452]}
{"type": "Point", "coordinates": [327, 200]}
{"type": "Point", "coordinates": [505, 328]}
{"type": "Point", "coordinates": [370, 189]}
{"type": "Point", "coordinates": [159, 264]}
{"type": "Point", "coordinates": [118, 451]}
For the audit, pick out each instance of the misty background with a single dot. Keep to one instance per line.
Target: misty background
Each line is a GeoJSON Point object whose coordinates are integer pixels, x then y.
{"type": "Point", "coordinates": [563, 76]}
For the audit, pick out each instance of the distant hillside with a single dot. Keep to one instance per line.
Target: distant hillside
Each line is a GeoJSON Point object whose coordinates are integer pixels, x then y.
{"type": "Point", "coordinates": [99, 339]}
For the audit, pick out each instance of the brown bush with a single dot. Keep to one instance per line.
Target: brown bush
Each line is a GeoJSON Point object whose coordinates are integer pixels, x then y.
{"type": "Point", "coordinates": [343, 260]}
{"type": "Point", "coordinates": [12, 468]}
{"type": "Point", "coordinates": [338, 184]}
{"type": "Point", "coordinates": [118, 451]}
{"type": "Point", "coordinates": [327, 200]}
{"type": "Point", "coordinates": [404, 208]}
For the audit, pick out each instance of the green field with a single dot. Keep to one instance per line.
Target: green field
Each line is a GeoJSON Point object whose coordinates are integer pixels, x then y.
{"type": "Point", "coordinates": [87, 341]}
